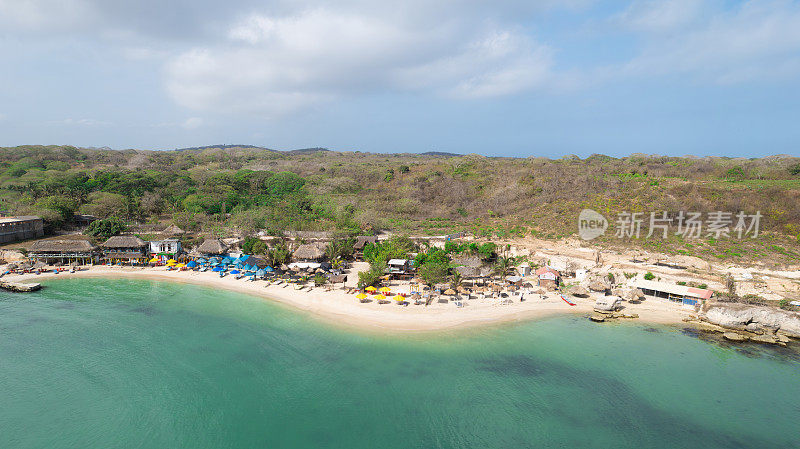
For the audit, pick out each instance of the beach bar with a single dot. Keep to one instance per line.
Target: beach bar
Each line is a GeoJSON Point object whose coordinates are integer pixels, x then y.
{"type": "Point", "coordinates": [64, 251]}
{"type": "Point", "coordinates": [125, 249]}
{"type": "Point", "coordinates": [682, 293]}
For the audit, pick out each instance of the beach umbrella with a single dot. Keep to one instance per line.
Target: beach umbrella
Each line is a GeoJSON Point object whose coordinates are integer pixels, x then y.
{"type": "Point", "coordinates": [180, 265]}
{"type": "Point", "coordinates": [261, 272]}
{"type": "Point", "coordinates": [155, 260]}
{"type": "Point", "coordinates": [361, 296]}
{"type": "Point", "coordinates": [370, 289]}
{"type": "Point", "coordinates": [449, 292]}
{"type": "Point", "coordinates": [217, 269]}
{"type": "Point", "coordinates": [380, 297]}
{"type": "Point", "coordinates": [235, 272]}
{"type": "Point", "coordinates": [385, 289]}
{"type": "Point", "coordinates": [269, 269]}
{"type": "Point", "coordinates": [191, 264]}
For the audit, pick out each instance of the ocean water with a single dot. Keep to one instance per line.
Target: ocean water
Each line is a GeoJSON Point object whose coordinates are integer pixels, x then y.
{"type": "Point", "coordinates": [94, 363]}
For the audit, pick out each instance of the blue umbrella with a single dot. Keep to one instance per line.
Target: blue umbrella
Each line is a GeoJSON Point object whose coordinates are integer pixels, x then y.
{"type": "Point", "coordinates": [235, 272]}
{"type": "Point", "coordinates": [217, 268]}
{"type": "Point", "coordinates": [269, 269]}
{"type": "Point", "coordinates": [191, 264]}
{"type": "Point", "coordinates": [226, 260]}
{"type": "Point", "coordinates": [244, 257]}
{"type": "Point", "coordinates": [261, 272]}
{"type": "Point", "coordinates": [201, 260]}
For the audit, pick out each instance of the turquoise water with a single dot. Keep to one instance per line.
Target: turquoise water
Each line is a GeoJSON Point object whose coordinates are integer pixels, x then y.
{"type": "Point", "coordinates": [91, 363]}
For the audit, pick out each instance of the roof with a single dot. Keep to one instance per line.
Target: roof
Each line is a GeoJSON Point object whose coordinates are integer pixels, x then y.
{"type": "Point", "coordinates": [468, 261]}
{"type": "Point", "coordinates": [19, 219]}
{"type": "Point", "coordinates": [397, 262]}
{"type": "Point", "coordinates": [544, 270]}
{"type": "Point", "coordinates": [309, 251]}
{"type": "Point", "coordinates": [124, 241]}
{"type": "Point", "coordinates": [62, 245]}
{"type": "Point", "coordinates": [172, 230]}
{"type": "Point", "coordinates": [362, 240]}
{"type": "Point", "coordinates": [681, 290]}
{"type": "Point", "coordinates": [212, 246]}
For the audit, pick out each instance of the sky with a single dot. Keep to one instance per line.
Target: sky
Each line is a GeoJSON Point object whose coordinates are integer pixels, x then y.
{"type": "Point", "coordinates": [501, 78]}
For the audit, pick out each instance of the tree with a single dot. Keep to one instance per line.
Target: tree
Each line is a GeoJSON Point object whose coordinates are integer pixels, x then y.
{"type": "Point", "coordinates": [433, 273]}
{"type": "Point", "coordinates": [254, 245]}
{"type": "Point", "coordinates": [455, 280]}
{"type": "Point", "coordinates": [279, 254]}
{"type": "Point", "coordinates": [795, 169]}
{"type": "Point", "coordinates": [105, 228]}
{"type": "Point", "coordinates": [371, 276]}
{"type": "Point", "coordinates": [504, 265]}
{"type": "Point", "coordinates": [320, 279]}
{"type": "Point", "coordinates": [104, 204]}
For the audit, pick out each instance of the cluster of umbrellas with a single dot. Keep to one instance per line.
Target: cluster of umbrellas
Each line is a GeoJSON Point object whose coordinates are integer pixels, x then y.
{"type": "Point", "coordinates": [234, 266]}
{"type": "Point", "coordinates": [384, 291]}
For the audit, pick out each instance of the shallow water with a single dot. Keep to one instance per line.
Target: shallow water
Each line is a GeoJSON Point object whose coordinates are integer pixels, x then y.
{"type": "Point", "coordinates": [94, 363]}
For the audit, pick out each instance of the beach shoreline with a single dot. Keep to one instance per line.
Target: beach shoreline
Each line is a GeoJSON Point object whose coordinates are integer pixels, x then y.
{"type": "Point", "coordinates": [343, 310]}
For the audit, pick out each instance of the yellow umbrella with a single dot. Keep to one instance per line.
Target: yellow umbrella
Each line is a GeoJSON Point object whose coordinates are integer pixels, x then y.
{"type": "Point", "coordinates": [399, 298]}
{"type": "Point", "coordinates": [370, 289]}
{"type": "Point", "coordinates": [180, 265]}
{"type": "Point", "coordinates": [154, 260]}
{"type": "Point", "coordinates": [385, 289]}
{"type": "Point", "coordinates": [172, 261]}
{"type": "Point", "coordinates": [380, 297]}
{"type": "Point", "coordinates": [361, 296]}
{"type": "Point", "coordinates": [449, 291]}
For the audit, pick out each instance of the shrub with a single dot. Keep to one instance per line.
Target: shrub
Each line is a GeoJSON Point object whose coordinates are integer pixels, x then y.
{"type": "Point", "coordinates": [649, 276]}
{"type": "Point", "coordinates": [105, 228]}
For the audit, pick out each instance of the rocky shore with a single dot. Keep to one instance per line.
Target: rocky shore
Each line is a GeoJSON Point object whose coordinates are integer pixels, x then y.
{"type": "Point", "coordinates": [743, 322]}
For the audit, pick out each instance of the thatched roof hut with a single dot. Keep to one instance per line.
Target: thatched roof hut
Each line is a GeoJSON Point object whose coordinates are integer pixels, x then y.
{"type": "Point", "coordinates": [212, 247]}
{"type": "Point", "coordinates": [309, 251]}
{"type": "Point", "coordinates": [124, 241]}
{"type": "Point", "coordinates": [579, 291]}
{"type": "Point", "coordinates": [59, 245]}
{"type": "Point", "coordinates": [173, 231]}
{"type": "Point", "coordinates": [363, 240]}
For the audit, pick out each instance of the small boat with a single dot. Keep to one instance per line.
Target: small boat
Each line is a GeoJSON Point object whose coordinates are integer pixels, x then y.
{"type": "Point", "coordinates": [567, 300]}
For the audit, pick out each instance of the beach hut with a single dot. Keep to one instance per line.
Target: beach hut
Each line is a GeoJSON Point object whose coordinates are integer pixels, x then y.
{"type": "Point", "coordinates": [361, 242]}
{"type": "Point", "coordinates": [548, 277]}
{"type": "Point", "coordinates": [212, 247]}
{"type": "Point", "coordinates": [65, 250]}
{"type": "Point", "coordinates": [125, 249]}
{"type": "Point", "coordinates": [309, 252]}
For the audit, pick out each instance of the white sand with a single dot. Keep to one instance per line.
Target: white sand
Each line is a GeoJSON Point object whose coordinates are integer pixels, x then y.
{"type": "Point", "coordinates": [344, 309]}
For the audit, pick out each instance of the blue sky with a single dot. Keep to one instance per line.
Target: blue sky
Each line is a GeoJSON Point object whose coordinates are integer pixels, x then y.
{"type": "Point", "coordinates": [504, 78]}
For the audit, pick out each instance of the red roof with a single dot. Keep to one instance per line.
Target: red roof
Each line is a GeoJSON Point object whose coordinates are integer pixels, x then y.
{"type": "Point", "coordinates": [544, 270]}
{"type": "Point", "coordinates": [700, 292]}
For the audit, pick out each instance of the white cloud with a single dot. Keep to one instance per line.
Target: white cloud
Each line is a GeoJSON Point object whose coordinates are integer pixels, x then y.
{"type": "Point", "coordinates": [81, 122]}
{"type": "Point", "coordinates": [275, 65]}
{"type": "Point", "coordinates": [660, 15]}
{"type": "Point", "coordinates": [758, 40]}
{"type": "Point", "coordinates": [192, 123]}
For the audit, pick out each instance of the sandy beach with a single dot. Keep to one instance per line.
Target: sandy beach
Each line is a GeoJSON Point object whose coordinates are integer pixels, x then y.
{"type": "Point", "coordinates": [343, 309]}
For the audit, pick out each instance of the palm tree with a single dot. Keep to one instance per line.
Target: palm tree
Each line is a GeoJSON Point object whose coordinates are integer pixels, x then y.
{"type": "Point", "coordinates": [504, 265]}
{"type": "Point", "coordinates": [455, 280]}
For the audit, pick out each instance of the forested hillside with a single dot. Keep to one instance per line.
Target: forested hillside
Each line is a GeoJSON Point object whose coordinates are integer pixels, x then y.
{"type": "Point", "coordinates": [235, 189]}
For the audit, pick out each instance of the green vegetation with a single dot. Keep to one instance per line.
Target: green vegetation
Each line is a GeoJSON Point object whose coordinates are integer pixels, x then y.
{"type": "Point", "coordinates": [649, 276]}
{"type": "Point", "coordinates": [105, 228]}
{"type": "Point", "coordinates": [231, 189]}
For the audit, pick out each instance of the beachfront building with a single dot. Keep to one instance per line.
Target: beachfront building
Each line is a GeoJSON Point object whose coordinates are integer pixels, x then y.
{"type": "Point", "coordinates": [64, 251]}
{"type": "Point", "coordinates": [165, 249]}
{"type": "Point", "coordinates": [399, 268]}
{"type": "Point", "coordinates": [309, 252]}
{"type": "Point", "coordinates": [125, 249]}
{"type": "Point", "coordinates": [211, 248]}
{"type": "Point", "coordinates": [687, 295]}
{"type": "Point", "coordinates": [361, 242]}
{"type": "Point", "coordinates": [548, 277]}
{"type": "Point", "coordinates": [13, 229]}
{"type": "Point", "coordinates": [524, 269]}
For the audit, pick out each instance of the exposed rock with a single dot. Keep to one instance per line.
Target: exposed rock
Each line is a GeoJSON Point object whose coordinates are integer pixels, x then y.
{"type": "Point", "coordinates": [739, 316]}
{"type": "Point", "coordinates": [754, 328]}
{"type": "Point", "coordinates": [769, 339]}
{"type": "Point", "coordinates": [607, 303]}
{"type": "Point", "coordinates": [733, 336]}
{"type": "Point", "coordinates": [597, 317]}
{"type": "Point", "coordinates": [635, 295]}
